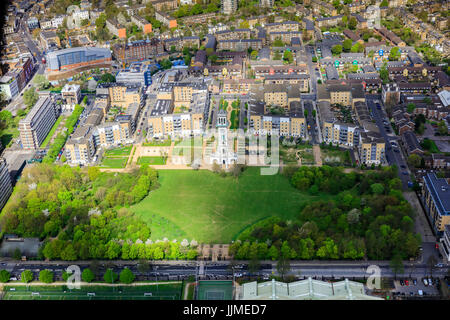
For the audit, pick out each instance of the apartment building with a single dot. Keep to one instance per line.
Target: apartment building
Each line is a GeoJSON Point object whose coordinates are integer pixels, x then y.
{"type": "Point", "coordinates": [282, 26]}
{"type": "Point", "coordinates": [116, 28]}
{"type": "Point", "coordinates": [321, 7]}
{"type": "Point", "coordinates": [71, 94]}
{"type": "Point", "coordinates": [48, 39]}
{"type": "Point", "coordinates": [436, 200]}
{"type": "Point", "coordinates": [121, 94]}
{"type": "Point", "coordinates": [371, 148]}
{"type": "Point", "coordinates": [182, 42]}
{"type": "Point", "coordinates": [239, 44]}
{"type": "Point", "coordinates": [233, 34]}
{"type": "Point", "coordinates": [228, 6]}
{"type": "Point", "coordinates": [5, 183]}
{"type": "Point", "coordinates": [261, 72]}
{"type": "Point", "coordinates": [291, 123]}
{"type": "Point", "coordinates": [300, 79]}
{"type": "Point", "coordinates": [165, 5]}
{"type": "Point", "coordinates": [241, 86]}
{"type": "Point", "coordinates": [166, 19]}
{"type": "Point", "coordinates": [37, 124]}
{"type": "Point", "coordinates": [285, 36]}
{"type": "Point", "coordinates": [167, 120]}
{"type": "Point", "coordinates": [80, 148]}
{"type": "Point", "coordinates": [342, 94]}
{"type": "Point", "coordinates": [445, 240]}
{"type": "Point", "coordinates": [138, 50]}
{"type": "Point", "coordinates": [112, 133]}
{"type": "Point", "coordinates": [136, 73]}
{"type": "Point", "coordinates": [142, 23]}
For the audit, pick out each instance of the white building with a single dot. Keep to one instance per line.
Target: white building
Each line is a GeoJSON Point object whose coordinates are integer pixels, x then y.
{"type": "Point", "coordinates": [46, 24]}
{"type": "Point", "coordinates": [9, 87]}
{"type": "Point", "coordinates": [224, 154]}
{"type": "Point", "coordinates": [82, 15]}
{"type": "Point", "coordinates": [57, 21]}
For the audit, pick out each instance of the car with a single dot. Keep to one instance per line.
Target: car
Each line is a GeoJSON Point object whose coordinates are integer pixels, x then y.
{"type": "Point", "coordinates": [402, 283]}
{"type": "Point", "coordinates": [405, 173]}
{"type": "Point", "coordinates": [425, 281]}
{"type": "Point", "coordinates": [396, 150]}
{"type": "Point", "coordinates": [430, 281]}
{"type": "Point", "coordinates": [415, 282]}
{"type": "Point", "coordinates": [407, 282]}
{"type": "Point", "coordinates": [403, 166]}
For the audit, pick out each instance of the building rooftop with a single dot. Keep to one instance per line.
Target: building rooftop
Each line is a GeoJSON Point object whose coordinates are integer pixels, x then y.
{"type": "Point", "coordinates": [440, 191]}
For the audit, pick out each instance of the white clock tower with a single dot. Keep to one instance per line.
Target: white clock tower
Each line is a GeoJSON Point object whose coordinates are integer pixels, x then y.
{"type": "Point", "coordinates": [223, 154]}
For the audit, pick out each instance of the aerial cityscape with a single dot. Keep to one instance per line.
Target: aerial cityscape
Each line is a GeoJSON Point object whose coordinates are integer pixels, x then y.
{"type": "Point", "coordinates": [225, 150]}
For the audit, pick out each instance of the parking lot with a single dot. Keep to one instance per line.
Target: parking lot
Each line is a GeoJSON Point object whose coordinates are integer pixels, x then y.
{"type": "Point", "coordinates": [413, 289]}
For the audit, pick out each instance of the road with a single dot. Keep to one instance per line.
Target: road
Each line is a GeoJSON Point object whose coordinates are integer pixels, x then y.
{"type": "Point", "coordinates": [394, 154]}
{"type": "Point", "coordinates": [179, 270]}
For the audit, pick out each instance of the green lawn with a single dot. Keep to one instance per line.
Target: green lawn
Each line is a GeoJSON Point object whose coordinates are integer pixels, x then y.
{"type": "Point", "coordinates": [152, 160]}
{"type": "Point", "coordinates": [203, 206]}
{"type": "Point", "coordinates": [157, 143]}
{"type": "Point", "coordinates": [119, 162]}
{"type": "Point", "coordinates": [122, 151]}
{"type": "Point", "coordinates": [170, 291]}
{"type": "Point", "coordinates": [51, 132]}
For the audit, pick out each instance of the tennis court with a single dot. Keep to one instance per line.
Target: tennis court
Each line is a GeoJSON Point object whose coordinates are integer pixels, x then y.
{"type": "Point", "coordinates": [215, 290]}
{"type": "Point", "coordinates": [144, 292]}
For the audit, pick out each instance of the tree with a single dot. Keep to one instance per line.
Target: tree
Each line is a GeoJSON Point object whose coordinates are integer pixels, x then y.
{"type": "Point", "coordinates": [277, 55]}
{"type": "Point", "coordinates": [46, 276]}
{"type": "Point", "coordinates": [394, 54]}
{"type": "Point", "coordinates": [27, 276]}
{"type": "Point", "coordinates": [41, 81]}
{"type": "Point", "coordinates": [288, 57]}
{"type": "Point", "coordinates": [87, 275]}
{"type": "Point", "coordinates": [143, 266]}
{"type": "Point", "coordinates": [384, 74]}
{"type": "Point", "coordinates": [126, 276]}
{"type": "Point", "coordinates": [107, 77]}
{"type": "Point", "coordinates": [254, 265]}
{"type": "Point", "coordinates": [4, 276]}
{"type": "Point", "coordinates": [396, 265]}
{"type": "Point", "coordinates": [347, 45]}
{"type": "Point", "coordinates": [254, 55]}
{"type": "Point", "coordinates": [357, 47]}
{"type": "Point", "coordinates": [442, 128]}
{"type": "Point", "coordinates": [283, 266]}
{"type": "Point", "coordinates": [337, 49]}
{"type": "Point", "coordinates": [414, 160]}
{"type": "Point", "coordinates": [410, 107]}
{"type": "Point", "coordinates": [30, 97]}
{"type": "Point", "coordinates": [166, 64]}
{"type": "Point", "coordinates": [377, 188]}
{"type": "Point", "coordinates": [352, 23]}
{"type": "Point", "coordinates": [110, 276]}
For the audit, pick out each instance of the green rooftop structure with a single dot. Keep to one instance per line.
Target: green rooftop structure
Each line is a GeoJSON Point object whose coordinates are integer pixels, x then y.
{"type": "Point", "coordinates": [307, 289]}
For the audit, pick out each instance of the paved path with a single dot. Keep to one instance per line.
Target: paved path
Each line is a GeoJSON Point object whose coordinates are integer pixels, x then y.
{"type": "Point", "coordinates": [317, 155]}
{"type": "Point", "coordinates": [86, 284]}
{"type": "Point", "coordinates": [421, 223]}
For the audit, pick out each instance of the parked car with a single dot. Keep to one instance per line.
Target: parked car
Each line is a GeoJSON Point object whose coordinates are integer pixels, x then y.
{"type": "Point", "coordinates": [402, 283]}
{"type": "Point", "coordinates": [407, 282]}
{"type": "Point", "coordinates": [415, 282]}
{"type": "Point", "coordinates": [425, 281]}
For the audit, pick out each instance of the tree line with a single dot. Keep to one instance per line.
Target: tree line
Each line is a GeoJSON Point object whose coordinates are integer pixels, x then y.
{"type": "Point", "coordinates": [367, 218]}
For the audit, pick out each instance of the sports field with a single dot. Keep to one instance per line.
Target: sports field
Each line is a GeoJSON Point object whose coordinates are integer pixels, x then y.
{"type": "Point", "coordinates": [122, 151]}
{"type": "Point", "coordinates": [204, 206]}
{"type": "Point", "coordinates": [61, 292]}
{"type": "Point", "coordinates": [117, 162]}
{"type": "Point", "coordinates": [215, 290]}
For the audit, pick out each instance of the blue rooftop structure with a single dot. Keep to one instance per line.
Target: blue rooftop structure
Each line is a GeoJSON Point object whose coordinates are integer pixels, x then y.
{"type": "Point", "coordinates": [437, 199]}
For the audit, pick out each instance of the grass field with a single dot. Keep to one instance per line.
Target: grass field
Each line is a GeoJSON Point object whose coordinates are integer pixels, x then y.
{"type": "Point", "coordinates": [115, 163]}
{"type": "Point", "coordinates": [157, 143]}
{"type": "Point", "coordinates": [152, 160]}
{"type": "Point", "coordinates": [61, 292]}
{"type": "Point", "coordinates": [122, 151]}
{"type": "Point", "coordinates": [51, 132]}
{"type": "Point", "coordinates": [203, 206]}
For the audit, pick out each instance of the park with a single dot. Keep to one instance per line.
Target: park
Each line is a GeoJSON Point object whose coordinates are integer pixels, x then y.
{"type": "Point", "coordinates": [213, 209]}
